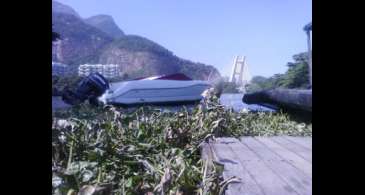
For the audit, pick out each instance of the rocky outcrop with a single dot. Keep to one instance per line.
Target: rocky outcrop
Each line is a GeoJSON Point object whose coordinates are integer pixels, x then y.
{"type": "Point", "coordinates": [283, 98]}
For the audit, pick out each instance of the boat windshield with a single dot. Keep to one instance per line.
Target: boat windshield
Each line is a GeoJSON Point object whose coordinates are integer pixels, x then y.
{"type": "Point", "coordinates": [177, 76]}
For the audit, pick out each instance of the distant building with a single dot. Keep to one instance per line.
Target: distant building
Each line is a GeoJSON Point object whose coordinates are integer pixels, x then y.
{"type": "Point", "coordinates": [60, 69]}
{"type": "Point", "coordinates": [108, 70]}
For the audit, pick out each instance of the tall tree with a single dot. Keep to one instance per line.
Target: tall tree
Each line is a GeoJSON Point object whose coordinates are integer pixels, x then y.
{"type": "Point", "coordinates": [297, 76]}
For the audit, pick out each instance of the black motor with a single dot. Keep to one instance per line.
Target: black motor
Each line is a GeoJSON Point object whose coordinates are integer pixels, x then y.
{"type": "Point", "coordinates": [90, 88]}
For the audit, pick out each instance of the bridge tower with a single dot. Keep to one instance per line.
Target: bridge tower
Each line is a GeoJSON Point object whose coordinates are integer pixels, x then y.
{"type": "Point", "coordinates": [237, 69]}
{"type": "Point", "coordinates": [240, 74]}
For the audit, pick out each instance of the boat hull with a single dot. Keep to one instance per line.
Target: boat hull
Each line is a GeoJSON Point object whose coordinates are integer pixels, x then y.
{"type": "Point", "coordinates": [155, 92]}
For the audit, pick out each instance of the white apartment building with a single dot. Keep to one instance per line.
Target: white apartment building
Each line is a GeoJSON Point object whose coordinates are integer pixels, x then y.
{"type": "Point", "coordinates": [107, 70]}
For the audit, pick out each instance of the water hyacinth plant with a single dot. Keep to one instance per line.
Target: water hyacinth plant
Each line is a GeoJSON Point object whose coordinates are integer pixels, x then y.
{"type": "Point", "coordinates": [107, 150]}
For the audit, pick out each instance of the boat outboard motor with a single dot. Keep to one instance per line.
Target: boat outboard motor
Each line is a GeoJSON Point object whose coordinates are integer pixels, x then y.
{"type": "Point", "coordinates": [90, 88]}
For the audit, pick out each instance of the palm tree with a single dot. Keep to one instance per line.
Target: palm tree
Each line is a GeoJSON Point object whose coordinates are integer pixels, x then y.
{"type": "Point", "coordinates": [307, 28]}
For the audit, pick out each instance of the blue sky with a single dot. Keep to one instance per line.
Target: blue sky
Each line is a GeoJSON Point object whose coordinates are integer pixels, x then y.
{"type": "Point", "coordinates": [267, 32]}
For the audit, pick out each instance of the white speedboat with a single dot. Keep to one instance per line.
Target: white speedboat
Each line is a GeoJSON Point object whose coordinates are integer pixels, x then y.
{"type": "Point", "coordinates": [176, 88]}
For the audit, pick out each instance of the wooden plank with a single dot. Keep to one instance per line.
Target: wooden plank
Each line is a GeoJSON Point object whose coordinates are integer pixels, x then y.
{"type": "Point", "coordinates": [232, 167]}
{"type": "Point", "coordinates": [290, 157]}
{"type": "Point", "coordinates": [276, 158]}
{"type": "Point", "coordinates": [303, 141]}
{"type": "Point", "coordinates": [206, 151]}
{"type": "Point", "coordinates": [300, 150]}
{"type": "Point", "coordinates": [295, 178]}
{"type": "Point", "coordinates": [208, 158]}
{"type": "Point", "coordinates": [266, 178]}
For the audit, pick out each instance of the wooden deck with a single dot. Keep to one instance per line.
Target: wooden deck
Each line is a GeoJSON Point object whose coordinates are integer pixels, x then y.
{"type": "Point", "coordinates": [266, 165]}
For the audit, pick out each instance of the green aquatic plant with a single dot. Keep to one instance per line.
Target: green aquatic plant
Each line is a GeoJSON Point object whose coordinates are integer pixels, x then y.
{"type": "Point", "coordinates": [108, 150]}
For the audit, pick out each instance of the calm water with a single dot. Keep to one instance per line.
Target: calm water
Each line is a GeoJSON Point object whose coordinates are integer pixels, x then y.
{"type": "Point", "coordinates": [234, 100]}
{"type": "Point", "coordinates": [228, 100]}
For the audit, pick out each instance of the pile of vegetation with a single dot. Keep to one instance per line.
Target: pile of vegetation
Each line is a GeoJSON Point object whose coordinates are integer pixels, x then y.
{"type": "Point", "coordinates": [296, 77]}
{"type": "Point", "coordinates": [106, 150]}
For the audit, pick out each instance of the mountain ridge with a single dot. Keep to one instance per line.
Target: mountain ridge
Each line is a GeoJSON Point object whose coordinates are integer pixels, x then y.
{"type": "Point", "coordinates": [62, 8]}
{"type": "Point", "coordinates": [105, 23]}
{"type": "Point", "coordinates": [82, 42]}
